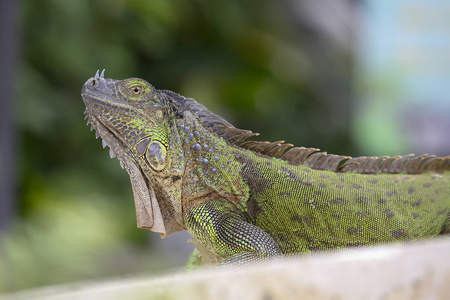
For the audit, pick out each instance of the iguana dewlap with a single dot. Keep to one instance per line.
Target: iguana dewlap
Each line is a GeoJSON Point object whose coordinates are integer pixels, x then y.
{"type": "Point", "coordinates": [248, 200]}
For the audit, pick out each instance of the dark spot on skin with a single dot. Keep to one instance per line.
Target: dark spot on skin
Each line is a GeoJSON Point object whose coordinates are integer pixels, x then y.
{"type": "Point", "coordinates": [284, 194]}
{"type": "Point", "coordinates": [327, 244]}
{"type": "Point", "coordinates": [357, 186]}
{"type": "Point", "coordinates": [268, 163]}
{"type": "Point", "coordinates": [427, 185]}
{"type": "Point", "coordinates": [362, 200]}
{"type": "Point", "coordinates": [389, 194]}
{"type": "Point", "coordinates": [411, 190]}
{"type": "Point", "coordinates": [317, 193]}
{"type": "Point", "coordinates": [300, 235]}
{"type": "Point", "coordinates": [340, 186]}
{"type": "Point", "coordinates": [374, 181]}
{"type": "Point", "coordinates": [417, 203]}
{"type": "Point", "coordinates": [389, 214]}
{"type": "Point", "coordinates": [353, 231]}
{"type": "Point", "coordinates": [253, 207]}
{"type": "Point", "coordinates": [256, 184]}
{"type": "Point", "coordinates": [415, 215]}
{"type": "Point", "coordinates": [322, 185]}
{"type": "Point", "coordinates": [305, 183]}
{"type": "Point", "coordinates": [362, 214]}
{"type": "Point", "coordinates": [302, 219]}
{"type": "Point", "coordinates": [337, 217]}
{"type": "Point", "coordinates": [398, 234]}
{"type": "Point", "coordinates": [296, 219]}
{"type": "Point", "coordinates": [382, 201]}
{"type": "Point", "coordinates": [355, 244]}
{"type": "Point", "coordinates": [337, 201]}
{"type": "Point", "coordinates": [443, 211]}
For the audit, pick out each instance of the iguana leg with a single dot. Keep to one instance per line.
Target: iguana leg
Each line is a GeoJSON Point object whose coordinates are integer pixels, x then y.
{"type": "Point", "coordinates": [223, 231]}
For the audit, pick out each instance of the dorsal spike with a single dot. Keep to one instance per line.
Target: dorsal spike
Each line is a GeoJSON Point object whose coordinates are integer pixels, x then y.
{"type": "Point", "coordinates": [312, 157]}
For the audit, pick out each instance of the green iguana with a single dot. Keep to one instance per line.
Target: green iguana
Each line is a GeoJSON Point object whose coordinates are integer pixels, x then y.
{"type": "Point", "coordinates": [247, 201]}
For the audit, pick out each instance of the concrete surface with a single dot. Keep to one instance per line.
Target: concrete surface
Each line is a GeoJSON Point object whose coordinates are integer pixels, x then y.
{"type": "Point", "coordinates": [414, 271]}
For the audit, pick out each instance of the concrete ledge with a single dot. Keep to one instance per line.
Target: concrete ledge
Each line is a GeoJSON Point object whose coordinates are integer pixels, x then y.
{"type": "Point", "coordinates": [414, 271]}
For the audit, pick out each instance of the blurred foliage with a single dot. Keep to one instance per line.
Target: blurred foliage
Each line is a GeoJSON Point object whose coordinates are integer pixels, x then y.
{"type": "Point", "coordinates": [242, 59]}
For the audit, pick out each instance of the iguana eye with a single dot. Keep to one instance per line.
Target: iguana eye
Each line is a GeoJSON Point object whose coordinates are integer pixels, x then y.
{"type": "Point", "coordinates": [136, 89]}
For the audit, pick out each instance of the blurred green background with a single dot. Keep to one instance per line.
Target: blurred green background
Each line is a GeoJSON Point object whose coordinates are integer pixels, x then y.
{"type": "Point", "coordinates": [273, 67]}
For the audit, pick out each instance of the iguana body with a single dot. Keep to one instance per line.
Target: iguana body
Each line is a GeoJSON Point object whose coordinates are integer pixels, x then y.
{"type": "Point", "coordinates": [247, 200]}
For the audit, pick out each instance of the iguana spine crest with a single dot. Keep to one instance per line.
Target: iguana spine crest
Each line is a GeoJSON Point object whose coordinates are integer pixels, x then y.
{"type": "Point", "coordinates": [313, 157]}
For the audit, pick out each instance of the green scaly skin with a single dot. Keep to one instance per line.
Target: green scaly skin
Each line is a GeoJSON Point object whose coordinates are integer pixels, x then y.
{"type": "Point", "coordinates": [242, 206]}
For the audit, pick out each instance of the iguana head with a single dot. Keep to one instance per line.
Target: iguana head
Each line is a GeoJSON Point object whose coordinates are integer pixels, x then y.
{"type": "Point", "coordinates": [137, 122]}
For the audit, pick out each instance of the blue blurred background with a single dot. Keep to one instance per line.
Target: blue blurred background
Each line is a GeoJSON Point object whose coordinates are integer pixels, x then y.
{"type": "Point", "coordinates": [350, 77]}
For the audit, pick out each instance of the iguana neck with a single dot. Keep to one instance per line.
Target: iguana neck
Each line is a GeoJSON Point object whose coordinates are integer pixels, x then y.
{"type": "Point", "coordinates": [211, 167]}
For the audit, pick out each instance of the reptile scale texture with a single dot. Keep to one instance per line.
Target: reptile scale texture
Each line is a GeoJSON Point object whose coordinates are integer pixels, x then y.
{"type": "Point", "coordinates": [246, 201]}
